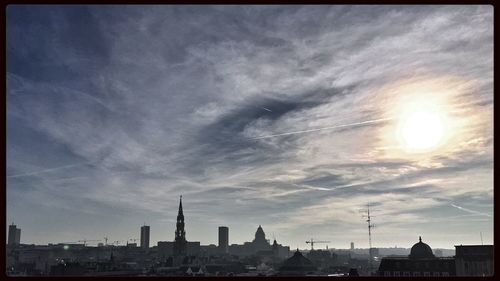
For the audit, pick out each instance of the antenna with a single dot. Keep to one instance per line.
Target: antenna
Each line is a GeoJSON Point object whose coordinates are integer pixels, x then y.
{"type": "Point", "coordinates": [370, 226]}
{"type": "Point", "coordinates": [480, 233]}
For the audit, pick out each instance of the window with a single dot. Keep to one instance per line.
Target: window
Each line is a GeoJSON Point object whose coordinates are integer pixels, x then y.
{"type": "Point", "coordinates": [406, 273]}
{"type": "Point", "coordinates": [435, 274]}
{"type": "Point", "coordinates": [396, 273]}
{"type": "Point", "coordinates": [445, 274]}
{"type": "Point", "coordinates": [416, 273]}
{"type": "Point", "coordinates": [398, 264]}
{"type": "Point", "coordinates": [387, 273]}
{"type": "Point", "coordinates": [466, 267]}
{"type": "Point", "coordinates": [427, 274]}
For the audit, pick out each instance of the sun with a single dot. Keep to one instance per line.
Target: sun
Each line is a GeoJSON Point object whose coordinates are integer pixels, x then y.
{"type": "Point", "coordinates": [422, 125]}
{"type": "Point", "coordinates": [421, 130]}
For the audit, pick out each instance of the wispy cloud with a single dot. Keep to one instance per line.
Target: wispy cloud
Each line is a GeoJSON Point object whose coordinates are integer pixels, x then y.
{"type": "Point", "coordinates": [281, 116]}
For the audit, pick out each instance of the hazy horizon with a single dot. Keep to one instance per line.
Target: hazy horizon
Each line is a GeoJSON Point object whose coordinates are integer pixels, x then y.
{"type": "Point", "coordinates": [289, 117]}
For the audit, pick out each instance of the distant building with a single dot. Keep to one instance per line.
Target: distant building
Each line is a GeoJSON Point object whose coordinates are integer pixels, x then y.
{"type": "Point", "coordinates": [474, 260]}
{"type": "Point", "coordinates": [420, 262]}
{"type": "Point", "coordinates": [259, 246]}
{"type": "Point", "coordinates": [297, 265]}
{"type": "Point", "coordinates": [145, 237]}
{"type": "Point", "coordinates": [14, 235]}
{"type": "Point", "coordinates": [352, 246]}
{"type": "Point", "coordinates": [438, 253]}
{"type": "Point", "coordinates": [224, 239]}
{"type": "Point", "coordinates": [18, 236]}
{"type": "Point", "coordinates": [374, 252]}
{"type": "Point", "coordinates": [260, 243]}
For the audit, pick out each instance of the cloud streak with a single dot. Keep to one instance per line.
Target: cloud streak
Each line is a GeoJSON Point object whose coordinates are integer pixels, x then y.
{"type": "Point", "coordinates": [324, 128]}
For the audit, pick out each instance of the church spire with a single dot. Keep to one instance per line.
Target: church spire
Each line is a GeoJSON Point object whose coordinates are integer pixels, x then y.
{"type": "Point", "coordinates": [180, 243]}
{"type": "Point", "coordinates": [180, 208]}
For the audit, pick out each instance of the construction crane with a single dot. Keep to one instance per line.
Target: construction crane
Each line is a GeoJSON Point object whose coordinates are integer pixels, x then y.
{"type": "Point", "coordinates": [85, 241]}
{"type": "Point", "coordinates": [312, 242]}
{"type": "Point", "coordinates": [105, 240]}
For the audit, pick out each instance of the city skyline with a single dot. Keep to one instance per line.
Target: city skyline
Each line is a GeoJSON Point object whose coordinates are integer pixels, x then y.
{"type": "Point", "coordinates": [293, 118]}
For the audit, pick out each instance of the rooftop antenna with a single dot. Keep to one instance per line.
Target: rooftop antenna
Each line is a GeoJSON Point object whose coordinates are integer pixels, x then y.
{"type": "Point", "coordinates": [480, 233]}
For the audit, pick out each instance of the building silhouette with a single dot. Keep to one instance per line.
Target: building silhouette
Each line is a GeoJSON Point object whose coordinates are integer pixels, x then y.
{"type": "Point", "coordinates": [352, 246]}
{"type": "Point", "coordinates": [223, 239]}
{"type": "Point", "coordinates": [260, 243]}
{"type": "Point", "coordinates": [180, 243]}
{"type": "Point", "coordinates": [145, 237]}
{"type": "Point", "coordinates": [14, 235]}
{"type": "Point", "coordinates": [297, 265]}
{"type": "Point", "coordinates": [474, 260]}
{"type": "Point", "coordinates": [420, 262]}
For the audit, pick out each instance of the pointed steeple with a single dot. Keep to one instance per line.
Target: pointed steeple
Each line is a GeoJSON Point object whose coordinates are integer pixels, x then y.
{"type": "Point", "coordinates": [180, 207]}
{"type": "Point", "coordinates": [420, 239]}
{"type": "Point", "coordinates": [180, 242]}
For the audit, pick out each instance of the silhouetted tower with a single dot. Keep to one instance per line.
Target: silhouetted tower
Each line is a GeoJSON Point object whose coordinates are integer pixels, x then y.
{"type": "Point", "coordinates": [370, 226]}
{"type": "Point", "coordinates": [224, 239]}
{"type": "Point", "coordinates": [14, 235]}
{"type": "Point", "coordinates": [180, 243]}
{"type": "Point", "coordinates": [145, 237]}
{"type": "Point", "coordinates": [275, 249]}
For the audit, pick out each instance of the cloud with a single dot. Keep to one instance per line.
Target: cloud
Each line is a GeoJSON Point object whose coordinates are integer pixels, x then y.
{"type": "Point", "coordinates": [273, 115]}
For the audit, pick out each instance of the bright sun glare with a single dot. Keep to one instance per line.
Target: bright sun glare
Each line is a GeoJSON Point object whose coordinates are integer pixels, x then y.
{"type": "Point", "coordinates": [422, 130]}
{"type": "Point", "coordinates": [422, 124]}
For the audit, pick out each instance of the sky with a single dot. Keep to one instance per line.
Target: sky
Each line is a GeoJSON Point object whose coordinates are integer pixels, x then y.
{"type": "Point", "coordinates": [290, 117]}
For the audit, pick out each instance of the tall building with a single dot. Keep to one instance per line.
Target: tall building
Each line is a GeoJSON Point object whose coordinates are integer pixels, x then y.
{"type": "Point", "coordinates": [18, 236]}
{"type": "Point", "coordinates": [352, 246]}
{"type": "Point", "coordinates": [14, 235]}
{"type": "Point", "coordinates": [224, 239]}
{"type": "Point", "coordinates": [145, 237]}
{"type": "Point", "coordinates": [180, 243]}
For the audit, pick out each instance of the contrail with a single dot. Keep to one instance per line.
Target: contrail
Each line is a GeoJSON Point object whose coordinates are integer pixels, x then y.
{"type": "Point", "coordinates": [46, 170]}
{"type": "Point", "coordinates": [324, 128]}
{"type": "Point", "coordinates": [267, 109]}
{"type": "Point", "coordinates": [470, 211]}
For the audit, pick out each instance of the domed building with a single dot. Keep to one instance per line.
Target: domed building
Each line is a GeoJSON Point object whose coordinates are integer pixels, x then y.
{"type": "Point", "coordinates": [260, 242]}
{"type": "Point", "coordinates": [420, 262]}
{"type": "Point", "coordinates": [421, 251]}
{"type": "Point", "coordinates": [297, 265]}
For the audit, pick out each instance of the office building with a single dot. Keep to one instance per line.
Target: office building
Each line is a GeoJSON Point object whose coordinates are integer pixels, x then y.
{"type": "Point", "coordinates": [14, 235]}
{"type": "Point", "coordinates": [223, 239]}
{"type": "Point", "coordinates": [145, 237]}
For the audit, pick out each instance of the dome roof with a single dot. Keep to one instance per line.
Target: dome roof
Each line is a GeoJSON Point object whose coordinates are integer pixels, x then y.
{"type": "Point", "coordinates": [298, 263]}
{"type": "Point", "coordinates": [421, 251]}
{"type": "Point", "coordinates": [259, 234]}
